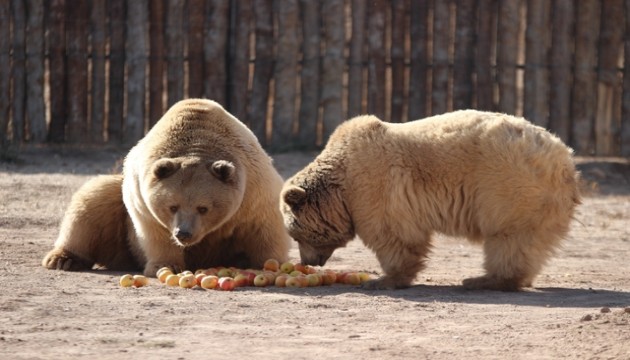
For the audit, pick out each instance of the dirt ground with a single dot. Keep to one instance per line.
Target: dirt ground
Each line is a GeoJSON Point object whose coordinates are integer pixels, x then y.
{"type": "Point", "coordinates": [580, 307]}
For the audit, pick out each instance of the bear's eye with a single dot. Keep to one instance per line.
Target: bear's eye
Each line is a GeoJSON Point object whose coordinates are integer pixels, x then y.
{"type": "Point", "coordinates": [174, 209]}
{"type": "Point", "coordinates": [202, 210]}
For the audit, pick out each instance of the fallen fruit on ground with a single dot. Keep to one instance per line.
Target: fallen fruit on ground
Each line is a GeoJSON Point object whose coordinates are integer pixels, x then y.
{"type": "Point", "coordinates": [126, 280]}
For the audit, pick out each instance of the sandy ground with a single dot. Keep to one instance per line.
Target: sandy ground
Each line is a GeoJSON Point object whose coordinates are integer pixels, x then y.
{"type": "Point", "coordinates": [580, 307]}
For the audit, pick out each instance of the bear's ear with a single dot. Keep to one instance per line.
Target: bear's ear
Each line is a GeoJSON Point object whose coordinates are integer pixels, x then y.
{"type": "Point", "coordinates": [164, 168]}
{"type": "Point", "coordinates": [223, 170]}
{"type": "Point", "coordinates": [295, 197]}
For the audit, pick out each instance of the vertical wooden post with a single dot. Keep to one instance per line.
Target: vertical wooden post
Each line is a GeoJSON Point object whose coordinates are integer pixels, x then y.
{"type": "Point", "coordinates": [137, 36]}
{"type": "Point", "coordinates": [484, 59]}
{"type": "Point", "coordinates": [507, 51]}
{"type": "Point", "coordinates": [35, 109]}
{"type": "Point", "coordinates": [537, 40]}
{"type": "Point", "coordinates": [584, 85]}
{"type": "Point", "coordinates": [441, 44]}
{"type": "Point", "coordinates": [57, 65]}
{"type": "Point", "coordinates": [77, 80]}
{"type": "Point", "coordinates": [239, 97]}
{"type": "Point", "coordinates": [285, 74]}
{"type": "Point", "coordinates": [418, 31]}
{"type": "Point", "coordinates": [357, 56]}
{"type": "Point", "coordinates": [332, 65]}
{"type": "Point", "coordinates": [99, 42]}
{"type": "Point", "coordinates": [19, 71]}
{"type": "Point", "coordinates": [175, 50]}
{"type": "Point", "coordinates": [215, 50]}
{"type": "Point", "coordinates": [156, 61]}
{"type": "Point", "coordinates": [195, 48]}
{"type": "Point", "coordinates": [625, 113]}
{"type": "Point", "coordinates": [561, 63]}
{"type": "Point", "coordinates": [5, 75]}
{"type": "Point", "coordinates": [117, 23]}
{"type": "Point", "coordinates": [464, 54]}
{"type": "Point", "coordinates": [610, 51]}
{"type": "Point", "coordinates": [310, 81]}
{"type": "Point", "coordinates": [399, 27]}
{"type": "Point", "coordinates": [263, 69]}
{"type": "Point", "coordinates": [377, 94]}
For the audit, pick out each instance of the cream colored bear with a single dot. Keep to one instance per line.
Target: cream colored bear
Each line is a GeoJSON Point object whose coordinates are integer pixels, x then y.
{"type": "Point", "coordinates": [493, 178]}
{"type": "Point", "coordinates": [199, 192]}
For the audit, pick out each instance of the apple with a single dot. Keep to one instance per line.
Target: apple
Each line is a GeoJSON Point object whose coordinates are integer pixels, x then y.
{"type": "Point", "coordinates": [300, 267]}
{"type": "Point", "coordinates": [164, 268]}
{"type": "Point", "coordinates": [226, 283]}
{"type": "Point", "coordinates": [241, 279]}
{"type": "Point", "coordinates": [140, 280]}
{"type": "Point", "coordinates": [281, 280]}
{"type": "Point", "coordinates": [364, 277]}
{"type": "Point", "coordinates": [293, 282]}
{"type": "Point", "coordinates": [287, 267]}
{"type": "Point", "coordinates": [261, 280]}
{"type": "Point", "coordinates": [270, 275]}
{"type": "Point", "coordinates": [199, 277]}
{"type": "Point", "coordinates": [163, 274]}
{"type": "Point", "coordinates": [172, 280]}
{"type": "Point", "coordinates": [329, 277]}
{"type": "Point", "coordinates": [341, 276]}
{"type": "Point", "coordinates": [352, 279]}
{"type": "Point", "coordinates": [271, 265]}
{"type": "Point", "coordinates": [296, 273]}
{"type": "Point", "coordinates": [308, 269]}
{"type": "Point", "coordinates": [126, 280]}
{"type": "Point", "coordinates": [225, 272]}
{"type": "Point", "coordinates": [314, 280]}
{"type": "Point", "coordinates": [209, 282]}
{"type": "Point", "coordinates": [187, 281]}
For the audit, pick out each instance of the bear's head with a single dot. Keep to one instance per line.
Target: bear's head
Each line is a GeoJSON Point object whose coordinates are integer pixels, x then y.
{"type": "Point", "coordinates": [316, 217]}
{"type": "Point", "coordinates": [193, 197]}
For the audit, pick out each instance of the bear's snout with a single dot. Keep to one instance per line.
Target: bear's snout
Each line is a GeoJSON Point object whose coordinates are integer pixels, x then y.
{"type": "Point", "coordinates": [182, 234]}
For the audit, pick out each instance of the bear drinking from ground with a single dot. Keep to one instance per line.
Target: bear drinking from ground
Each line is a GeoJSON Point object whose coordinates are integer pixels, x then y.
{"type": "Point", "coordinates": [197, 191]}
{"type": "Point", "coordinates": [496, 179]}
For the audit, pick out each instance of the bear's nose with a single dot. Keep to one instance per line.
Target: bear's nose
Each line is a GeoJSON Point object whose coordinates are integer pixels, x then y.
{"type": "Point", "coordinates": [181, 234]}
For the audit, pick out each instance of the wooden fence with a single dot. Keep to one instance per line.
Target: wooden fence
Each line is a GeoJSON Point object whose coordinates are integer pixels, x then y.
{"type": "Point", "coordinates": [103, 71]}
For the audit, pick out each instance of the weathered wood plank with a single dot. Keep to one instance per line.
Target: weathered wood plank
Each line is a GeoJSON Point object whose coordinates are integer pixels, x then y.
{"type": "Point", "coordinates": [285, 74]}
{"type": "Point", "coordinates": [57, 66]}
{"type": "Point", "coordinates": [117, 26]}
{"type": "Point", "coordinates": [195, 48]}
{"type": "Point", "coordinates": [35, 109]}
{"type": "Point", "coordinates": [561, 63]}
{"type": "Point", "coordinates": [418, 33]}
{"type": "Point", "coordinates": [399, 28]}
{"type": "Point", "coordinates": [507, 52]}
{"type": "Point", "coordinates": [239, 91]}
{"type": "Point", "coordinates": [464, 61]}
{"type": "Point", "coordinates": [333, 23]}
{"type": "Point", "coordinates": [625, 118]}
{"type": "Point", "coordinates": [357, 57]}
{"type": "Point", "coordinates": [310, 77]}
{"type": "Point", "coordinates": [537, 43]}
{"type": "Point", "coordinates": [137, 36]}
{"type": "Point", "coordinates": [156, 60]}
{"type": "Point", "coordinates": [99, 43]}
{"type": "Point", "coordinates": [441, 45]}
{"type": "Point", "coordinates": [215, 67]}
{"type": "Point", "coordinates": [175, 39]}
{"type": "Point", "coordinates": [19, 71]}
{"type": "Point", "coordinates": [484, 58]}
{"type": "Point", "coordinates": [5, 75]}
{"type": "Point", "coordinates": [263, 68]}
{"type": "Point", "coordinates": [377, 94]}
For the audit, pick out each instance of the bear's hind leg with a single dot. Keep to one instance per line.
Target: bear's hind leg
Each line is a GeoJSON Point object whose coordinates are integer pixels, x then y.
{"type": "Point", "coordinates": [512, 262]}
{"type": "Point", "coordinates": [401, 262]}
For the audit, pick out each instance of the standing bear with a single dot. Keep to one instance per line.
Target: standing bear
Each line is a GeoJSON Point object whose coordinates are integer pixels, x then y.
{"type": "Point", "coordinates": [197, 191]}
{"type": "Point", "coordinates": [495, 179]}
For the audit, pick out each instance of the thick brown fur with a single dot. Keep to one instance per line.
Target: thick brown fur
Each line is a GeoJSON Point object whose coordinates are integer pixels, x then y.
{"type": "Point", "coordinates": [493, 178]}
{"type": "Point", "coordinates": [197, 191]}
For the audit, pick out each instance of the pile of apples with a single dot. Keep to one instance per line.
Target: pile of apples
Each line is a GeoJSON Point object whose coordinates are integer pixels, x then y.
{"type": "Point", "coordinates": [273, 274]}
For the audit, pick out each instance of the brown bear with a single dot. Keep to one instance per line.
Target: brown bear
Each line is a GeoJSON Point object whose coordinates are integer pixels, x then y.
{"type": "Point", "coordinates": [197, 191]}
{"type": "Point", "coordinates": [496, 179]}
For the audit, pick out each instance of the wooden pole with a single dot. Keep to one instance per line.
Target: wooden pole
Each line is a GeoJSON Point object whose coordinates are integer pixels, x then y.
{"type": "Point", "coordinates": [608, 82]}
{"type": "Point", "coordinates": [57, 66]}
{"type": "Point", "coordinates": [117, 23]}
{"type": "Point", "coordinates": [36, 109]}
{"type": "Point", "coordinates": [537, 41]}
{"type": "Point", "coordinates": [399, 28]}
{"type": "Point", "coordinates": [625, 118]}
{"type": "Point", "coordinates": [99, 43]}
{"type": "Point", "coordinates": [215, 50]}
{"type": "Point", "coordinates": [19, 71]}
{"type": "Point", "coordinates": [357, 57]}
{"type": "Point", "coordinates": [156, 61]}
{"type": "Point", "coordinates": [441, 44]}
{"type": "Point", "coordinates": [175, 50]}
{"type": "Point", "coordinates": [507, 52]}
{"type": "Point", "coordinates": [584, 86]}
{"type": "Point", "coordinates": [77, 80]}
{"type": "Point", "coordinates": [263, 69]}
{"type": "Point", "coordinates": [195, 48]}
{"type": "Point", "coordinates": [561, 64]}
{"type": "Point", "coordinates": [137, 35]}
{"type": "Point", "coordinates": [285, 74]}
{"type": "Point", "coordinates": [332, 65]}
{"type": "Point", "coordinates": [239, 88]}
{"type": "Point", "coordinates": [376, 96]}
{"type": "Point", "coordinates": [418, 31]}
{"type": "Point", "coordinates": [310, 81]}
{"type": "Point", "coordinates": [5, 75]}
{"type": "Point", "coordinates": [464, 61]}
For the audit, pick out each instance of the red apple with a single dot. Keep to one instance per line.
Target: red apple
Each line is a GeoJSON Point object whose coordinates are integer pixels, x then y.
{"type": "Point", "coordinates": [271, 265]}
{"type": "Point", "coordinates": [226, 283]}
{"type": "Point", "coordinates": [209, 282]}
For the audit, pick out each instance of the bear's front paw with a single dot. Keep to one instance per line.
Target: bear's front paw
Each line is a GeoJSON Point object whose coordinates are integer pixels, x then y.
{"type": "Point", "coordinates": [491, 283]}
{"type": "Point", "coordinates": [60, 259]}
{"type": "Point", "coordinates": [384, 283]}
{"type": "Point", "coordinates": [151, 268]}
